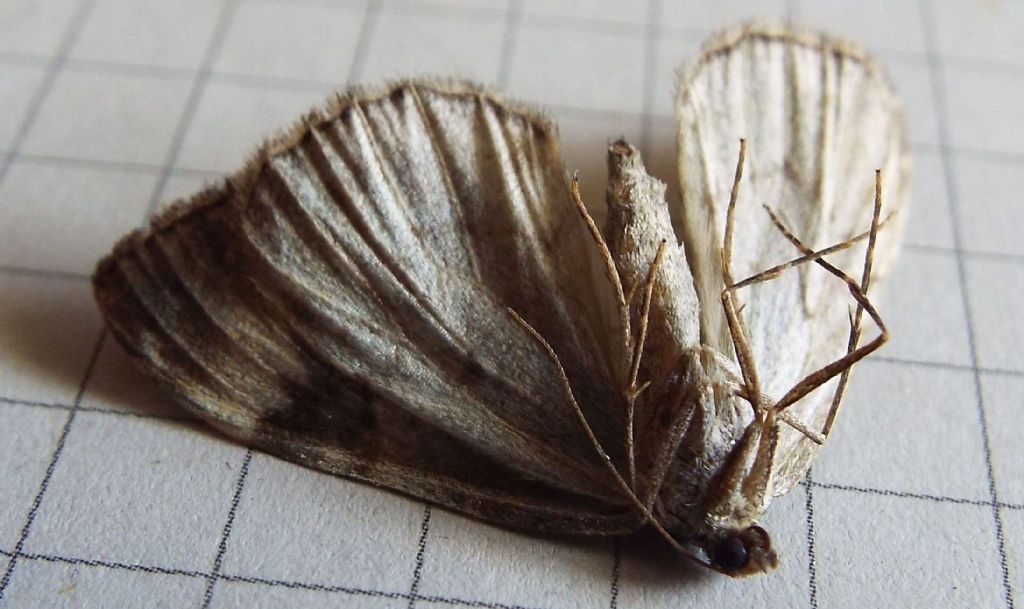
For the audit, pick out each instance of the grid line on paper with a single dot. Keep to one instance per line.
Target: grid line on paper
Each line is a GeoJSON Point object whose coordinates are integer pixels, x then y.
{"type": "Point", "coordinates": [613, 600]}
{"type": "Point", "coordinates": [182, 418]}
{"type": "Point", "coordinates": [260, 581]}
{"type": "Point", "coordinates": [225, 535]}
{"type": "Point", "coordinates": [812, 562]}
{"type": "Point", "coordinates": [421, 548]}
{"type": "Point", "coordinates": [366, 31]}
{"type": "Point", "coordinates": [53, 69]}
{"type": "Point", "coordinates": [107, 165]}
{"type": "Point", "coordinates": [513, 21]}
{"type": "Point", "coordinates": [936, 70]}
{"type": "Point", "coordinates": [42, 273]}
{"type": "Point", "coordinates": [652, 39]}
{"type": "Point", "coordinates": [51, 467]}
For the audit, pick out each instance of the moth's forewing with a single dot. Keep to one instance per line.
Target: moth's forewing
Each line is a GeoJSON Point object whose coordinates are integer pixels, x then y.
{"type": "Point", "coordinates": [343, 302]}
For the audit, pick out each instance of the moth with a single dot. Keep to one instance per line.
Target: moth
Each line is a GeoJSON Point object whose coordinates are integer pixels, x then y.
{"type": "Point", "coordinates": [405, 288]}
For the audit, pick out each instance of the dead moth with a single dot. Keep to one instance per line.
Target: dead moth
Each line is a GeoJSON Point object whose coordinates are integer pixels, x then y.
{"type": "Point", "coordinates": [407, 290]}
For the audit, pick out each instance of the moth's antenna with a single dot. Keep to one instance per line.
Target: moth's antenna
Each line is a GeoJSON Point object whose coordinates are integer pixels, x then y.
{"type": "Point", "coordinates": [648, 515]}
{"type": "Point", "coordinates": [609, 263]}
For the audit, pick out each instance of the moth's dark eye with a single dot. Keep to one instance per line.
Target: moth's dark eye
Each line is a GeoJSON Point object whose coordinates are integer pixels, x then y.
{"type": "Point", "coordinates": [731, 553]}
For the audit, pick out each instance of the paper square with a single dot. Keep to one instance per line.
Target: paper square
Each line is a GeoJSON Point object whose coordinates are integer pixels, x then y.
{"type": "Point", "coordinates": [230, 594]}
{"type": "Point", "coordinates": [295, 524]}
{"type": "Point", "coordinates": [108, 117]}
{"type": "Point", "coordinates": [50, 585]}
{"type": "Point", "coordinates": [895, 428]}
{"type": "Point", "coordinates": [18, 84]}
{"type": "Point", "coordinates": [615, 11]}
{"type": "Point", "coordinates": [233, 118]}
{"type": "Point", "coordinates": [117, 384]}
{"type": "Point", "coordinates": [717, 14]}
{"type": "Point", "coordinates": [929, 219]}
{"type": "Point", "coordinates": [1003, 409]}
{"type": "Point", "coordinates": [470, 560]}
{"type": "Point", "coordinates": [138, 491]}
{"type": "Point", "coordinates": [35, 26]}
{"type": "Point", "coordinates": [989, 205]}
{"type": "Point", "coordinates": [653, 577]}
{"type": "Point", "coordinates": [922, 296]}
{"type": "Point", "coordinates": [981, 30]}
{"type": "Point", "coordinates": [984, 108]}
{"type": "Point", "coordinates": [478, 6]}
{"type": "Point", "coordinates": [28, 437]}
{"type": "Point", "coordinates": [49, 328]}
{"type": "Point", "coordinates": [416, 42]}
{"type": "Point", "coordinates": [148, 32]}
{"type": "Point", "coordinates": [911, 79]}
{"type": "Point", "coordinates": [65, 217]}
{"type": "Point", "coordinates": [596, 70]}
{"type": "Point", "coordinates": [992, 286]}
{"type": "Point", "coordinates": [305, 41]}
{"type": "Point", "coordinates": [902, 552]}
{"type": "Point", "coordinates": [877, 25]}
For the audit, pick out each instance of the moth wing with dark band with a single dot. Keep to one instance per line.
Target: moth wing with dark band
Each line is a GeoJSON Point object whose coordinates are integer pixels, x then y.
{"type": "Point", "coordinates": [343, 302]}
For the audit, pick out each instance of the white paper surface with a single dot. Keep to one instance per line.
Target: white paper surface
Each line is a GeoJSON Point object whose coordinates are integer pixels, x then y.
{"type": "Point", "coordinates": [112, 498]}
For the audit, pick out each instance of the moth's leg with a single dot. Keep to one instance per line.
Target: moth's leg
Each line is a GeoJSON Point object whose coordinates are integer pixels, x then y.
{"type": "Point", "coordinates": [856, 319]}
{"type": "Point", "coordinates": [633, 390]}
{"type": "Point", "coordinates": [809, 255]}
{"type": "Point", "coordinates": [644, 510]}
{"type": "Point", "coordinates": [840, 367]}
{"type": "Point", "coordinates": [737, 326]}
{"type": "Point", "coordinates": [757, 486]}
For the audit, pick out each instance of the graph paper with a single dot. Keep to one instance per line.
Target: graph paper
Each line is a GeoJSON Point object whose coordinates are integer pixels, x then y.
{"type": "Point", "coordinates": [112, 497]}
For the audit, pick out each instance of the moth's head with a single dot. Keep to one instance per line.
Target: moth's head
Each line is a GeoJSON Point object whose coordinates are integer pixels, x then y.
{"type": "Point", "coordinates": [742, 552]}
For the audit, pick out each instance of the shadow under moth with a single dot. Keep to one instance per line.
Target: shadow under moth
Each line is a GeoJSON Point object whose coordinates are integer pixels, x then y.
{"type": "Point", "coordinates": [406, 289]}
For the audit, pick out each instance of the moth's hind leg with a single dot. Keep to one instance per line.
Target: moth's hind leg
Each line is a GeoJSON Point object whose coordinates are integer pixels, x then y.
{"type": "Point", "coordinates": [842, 366]}
{"type": "Point", "coordinates": [863, 304]}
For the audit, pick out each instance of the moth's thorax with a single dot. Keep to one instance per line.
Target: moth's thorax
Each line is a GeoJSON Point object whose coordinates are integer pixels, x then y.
{"type": "Point", "coordinates": [689, 387]}
{"type": "Point", "coordinates": [705, 499]}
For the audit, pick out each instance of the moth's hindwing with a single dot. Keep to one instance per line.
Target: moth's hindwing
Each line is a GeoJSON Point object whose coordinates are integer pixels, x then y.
{"type": "Point", "coordinates": [818, 118]}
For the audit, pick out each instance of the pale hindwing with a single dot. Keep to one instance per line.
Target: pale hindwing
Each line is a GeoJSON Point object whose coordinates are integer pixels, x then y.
{"type": "Point", "coordinates": [343, 302]}
{"type": "Point", "coordinates": [819, 119]}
